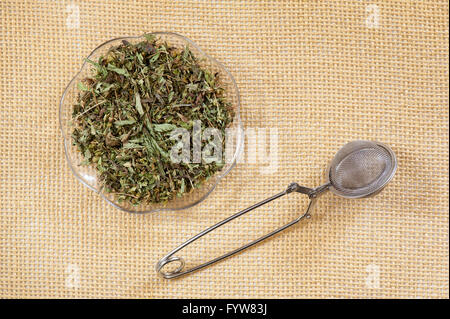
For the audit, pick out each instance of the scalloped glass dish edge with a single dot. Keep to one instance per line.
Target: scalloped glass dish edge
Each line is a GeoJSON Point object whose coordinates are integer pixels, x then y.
{"type": "Point", "coordinates": [88, 176]}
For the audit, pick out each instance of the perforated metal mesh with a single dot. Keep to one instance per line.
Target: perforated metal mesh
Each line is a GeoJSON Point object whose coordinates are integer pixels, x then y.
{"type": "Point", "coordinates": [361, 168]}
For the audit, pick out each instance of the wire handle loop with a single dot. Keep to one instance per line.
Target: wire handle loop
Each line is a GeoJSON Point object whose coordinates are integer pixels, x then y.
{"type": "Point", "coordinates": [169, 258]}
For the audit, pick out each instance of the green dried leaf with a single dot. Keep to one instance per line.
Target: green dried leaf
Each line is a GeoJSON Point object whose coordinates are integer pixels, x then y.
{"type": "Point", "coordinates": [100, 68]}
{"type": "Point", "coordinates": [138, 104]}
{"type": "Point", "coordinates": [82, 87]}
{"type": "Point", "coordinates": [120, 71]}
{"type": "Point", "coordinates": [154, 58]}
{"type": "Point", "coordinates": [163, 127]}
{"type": "Point", "coordinates": [149, 37]}
{"type": "Point", "coordinates": [130, 145]}
{"type": "Point", "coordinates": [124, 122]}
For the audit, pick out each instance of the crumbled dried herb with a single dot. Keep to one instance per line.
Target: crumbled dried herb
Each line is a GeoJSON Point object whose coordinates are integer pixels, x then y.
{"type": "Point", "coordinates": [136, 94]}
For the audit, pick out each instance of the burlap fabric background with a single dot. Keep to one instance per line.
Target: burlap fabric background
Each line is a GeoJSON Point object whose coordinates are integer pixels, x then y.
{"type": "Point", "coordinates": [322, 73]}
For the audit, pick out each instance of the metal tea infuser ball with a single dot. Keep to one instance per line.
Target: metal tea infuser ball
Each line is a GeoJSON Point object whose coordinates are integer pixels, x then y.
{"type": "Point", "coordinates": [359, 169]}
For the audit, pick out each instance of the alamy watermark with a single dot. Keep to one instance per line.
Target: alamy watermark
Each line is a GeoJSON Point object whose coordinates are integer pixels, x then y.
{"type": "Point", "coordinates": [373, 16]}
{"type": "Point", "coordinates": [73, 19]}
{"type": "Point", "coordinates": [73, 276]}
{"type": "Point", "coordinates": [373, 276]}
{"type": "Point", "coordinates": [207, 145]}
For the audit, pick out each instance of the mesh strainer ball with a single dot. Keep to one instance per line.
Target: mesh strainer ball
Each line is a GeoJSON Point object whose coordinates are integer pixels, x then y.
{"type": "Point", "coordinates": [361, 169]}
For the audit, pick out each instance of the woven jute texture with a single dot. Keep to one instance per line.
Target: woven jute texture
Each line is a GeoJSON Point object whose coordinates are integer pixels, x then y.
{"type": "Point", "coordinates": [318, 74]}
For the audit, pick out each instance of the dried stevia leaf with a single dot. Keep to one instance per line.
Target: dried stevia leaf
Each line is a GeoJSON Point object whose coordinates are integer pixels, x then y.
{"type": "Point", "coordinates": [164, 127]}
{"type": "Point", "coordinates": [126, 108]}
{"type": "Point", "coordinates": [138, 104]}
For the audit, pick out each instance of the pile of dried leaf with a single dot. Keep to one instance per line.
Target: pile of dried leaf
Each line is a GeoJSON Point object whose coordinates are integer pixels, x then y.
{"type": "Point", "coordinates": [136, 95]}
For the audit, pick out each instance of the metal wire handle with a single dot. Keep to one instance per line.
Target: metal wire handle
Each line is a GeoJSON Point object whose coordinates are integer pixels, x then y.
{"type": "Point", "coordinates": [294, 187]}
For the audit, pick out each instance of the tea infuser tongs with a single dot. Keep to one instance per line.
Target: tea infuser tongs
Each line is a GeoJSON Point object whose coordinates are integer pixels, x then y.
{"type": "Point", "coordinates": [359, 169]}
